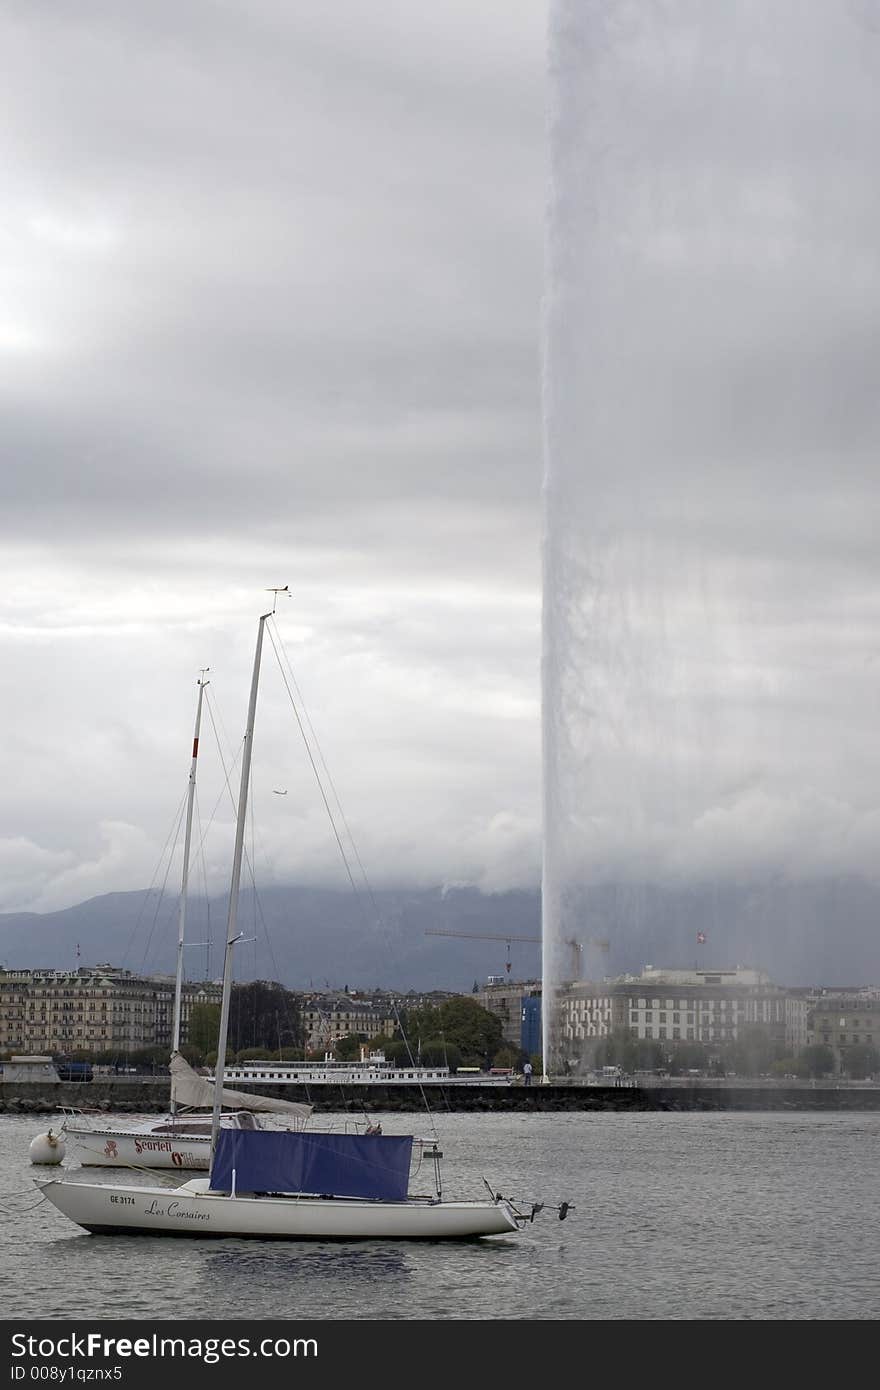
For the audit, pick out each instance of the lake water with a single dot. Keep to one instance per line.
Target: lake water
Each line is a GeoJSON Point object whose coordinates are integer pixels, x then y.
{"type": "Point", "coordinates": [678, 1216]}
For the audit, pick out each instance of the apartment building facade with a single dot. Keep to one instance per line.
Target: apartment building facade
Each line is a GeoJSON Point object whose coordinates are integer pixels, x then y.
{"type": "Point", "coordinates": [666, 1005]}
{"type": "Point", "coordinates": [844, 1020]}
{"type": "Point", "coordinates": [326, 1019]}
{"type": "Point", "coordinates": [92, 1009]}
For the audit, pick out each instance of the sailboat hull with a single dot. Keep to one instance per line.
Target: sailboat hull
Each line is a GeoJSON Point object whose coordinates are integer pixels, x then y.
{"type": "Point", "coordinates": [192, 1210]}
{"type": "Point", "coordinates": [131, 1148]}
{"type": "Point", "coordinates": [181, 1140]}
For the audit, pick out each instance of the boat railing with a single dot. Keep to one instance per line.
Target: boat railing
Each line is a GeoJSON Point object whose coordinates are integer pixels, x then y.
{"type": "Point", "coordinates": [75, 1112]}
{"type": "Point", "coordinates": [343, 1073]}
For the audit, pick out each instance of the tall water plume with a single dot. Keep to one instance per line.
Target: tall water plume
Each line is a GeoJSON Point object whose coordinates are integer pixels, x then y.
{"type": "Point", "coordinates": [712, 314]}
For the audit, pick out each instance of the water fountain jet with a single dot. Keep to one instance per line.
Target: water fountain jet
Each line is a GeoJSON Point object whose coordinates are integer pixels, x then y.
{"type": "Point", "coordinates": [711, 282]}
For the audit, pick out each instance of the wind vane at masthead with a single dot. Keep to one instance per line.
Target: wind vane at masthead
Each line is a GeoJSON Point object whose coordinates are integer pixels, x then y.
{"type": "Point", "coordinates": [276, 592]}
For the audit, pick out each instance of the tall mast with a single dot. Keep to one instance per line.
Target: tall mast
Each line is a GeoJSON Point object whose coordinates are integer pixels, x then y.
{"type": "Point", "coordinates": [231, 936]}
{"type": "Point", "coordinates": [181, 918]}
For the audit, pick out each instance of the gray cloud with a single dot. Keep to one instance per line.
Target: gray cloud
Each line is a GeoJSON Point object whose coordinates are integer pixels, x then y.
{"type": "Point", "coordinates": [270, 284]}
{"type": "Point", "coordinates": [276, 241]}
{"type": "Point", "coordinates": [271, 281]}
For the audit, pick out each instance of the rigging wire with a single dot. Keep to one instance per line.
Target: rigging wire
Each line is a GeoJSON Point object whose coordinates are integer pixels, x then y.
{"type": "Point", "coordinates": [170, 840]}
{"type": "Point", "coordinates": [302, 721]}
{"type": "Point", "coordinates": [323, 761]}
{"type": "Point", "coordinates": [252, 864]}
{"type": "Point", "coordinates": [270, 626]}
{"type": "Point", "coordinates": [275, 646]}
{"type": "Point", "coordinates": [248, 857]}
{"type": "Point", "coordinates": [160, 899]}
{"type": "Point", "coordinates": [202, 864]}
{"type": "Point", "coordinates": [226, 788]}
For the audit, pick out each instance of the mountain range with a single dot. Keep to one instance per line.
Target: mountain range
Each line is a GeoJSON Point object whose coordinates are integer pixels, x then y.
{"type": "Point", "coordinates": [316, 938]}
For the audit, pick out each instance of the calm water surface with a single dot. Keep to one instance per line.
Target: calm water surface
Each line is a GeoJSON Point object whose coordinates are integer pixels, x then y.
{"type": "Point", "coordinates": [678, 1217]}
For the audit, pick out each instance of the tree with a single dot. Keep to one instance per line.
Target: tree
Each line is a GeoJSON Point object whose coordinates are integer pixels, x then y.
{"type": "Point", "coordinates": [754, 1051]}
{"type": "Point", "coordinates": [107, 1056]}
{"type": "Point", "coordinates": [459, 1023]}
{"type": "Point", "coordinates": [420, 1023]}
{"type": "Point", "coordinates": [467, 1025]}
{"type": "Point", "coordinates": [861, 1060]}
{"type": "Point", "coordinates": [436, 1052]}
{"type": "Point", "coordinates": [619, 1049]}
{"type": "Point", "coordinates": [149, 1057]}
{"type": "Point", "coordinates": [818, 1059]}
{"type": "Point", "coordinates": [348, 1049]}
{"type": "Point", "coordinates": [649, 1054]}
{"type": "Point", "coordinates": [204, 1027]}
{"type": "Point", "coordinates": [263, 1014]}
{"type": "Point", "coordinates": [687, 1056]}
{"type": "Point", "coordinates": [788, 1066]}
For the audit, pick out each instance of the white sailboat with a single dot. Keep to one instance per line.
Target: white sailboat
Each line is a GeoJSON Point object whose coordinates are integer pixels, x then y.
{"type": "Point", "coordinates": [179, 1140]}
{"type": "Point", "coordinates": [285, 1185]}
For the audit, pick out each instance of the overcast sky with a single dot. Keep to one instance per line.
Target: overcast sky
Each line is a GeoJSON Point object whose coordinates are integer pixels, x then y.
{"type": "Point", "coordinates": [271, 279]}
{"type": "Point", "coordinates": [270, 312]}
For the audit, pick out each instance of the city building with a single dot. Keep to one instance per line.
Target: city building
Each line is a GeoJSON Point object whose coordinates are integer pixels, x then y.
{"type": "Point", "coordinates": [327, 1018]}
{"type": "Point", "coordinates": [518, 1005]}
{"type": "Point", "coordinates": [706, 1006]}
{"type": "Point", "coordinates": [844, 1019]}
{"type": "Point", "coordinates": [92, 1009]}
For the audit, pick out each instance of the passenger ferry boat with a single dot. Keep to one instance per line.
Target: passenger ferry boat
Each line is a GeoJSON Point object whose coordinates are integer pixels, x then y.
{"type": "Point", "coordinates": [372, 1069]}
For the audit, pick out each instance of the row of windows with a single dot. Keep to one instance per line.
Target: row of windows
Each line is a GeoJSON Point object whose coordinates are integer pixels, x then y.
{"type": "Point", "coordinates": [84, 992]}
{"type": "Point", "coordinates": [57, 1010]}
{"type": "Point", "coordinates": [680, 1004]}
{"type": "Point", "coordinates": [844, 1022]}
{"type": "Point", "coordinates": [714, 1004]}
{"type": "Point", "coordinates": [662, 1017]}
{"type": "Point", "coordinates": [689, 1033]}
{"type": "Point", "coordinates": [858, 1004]}
{"type": "Point", "coordinates": [856, 1038]}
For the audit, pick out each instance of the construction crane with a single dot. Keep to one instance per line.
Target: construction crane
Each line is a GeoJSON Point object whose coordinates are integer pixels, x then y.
{"type": "Point", "coordinates": [577, 947]}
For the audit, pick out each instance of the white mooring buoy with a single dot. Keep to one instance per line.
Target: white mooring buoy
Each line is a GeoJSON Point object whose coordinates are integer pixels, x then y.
{"type": "Point", "coordinates": [47, 1148]}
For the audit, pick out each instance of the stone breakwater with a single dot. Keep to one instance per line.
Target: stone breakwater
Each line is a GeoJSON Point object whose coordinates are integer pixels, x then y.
{"type": "Point", "coordinates": [149, 1095]}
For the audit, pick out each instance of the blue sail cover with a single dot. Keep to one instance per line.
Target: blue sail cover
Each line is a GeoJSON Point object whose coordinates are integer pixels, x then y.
{"type": "Point", "coordinates": [341, 1165]}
